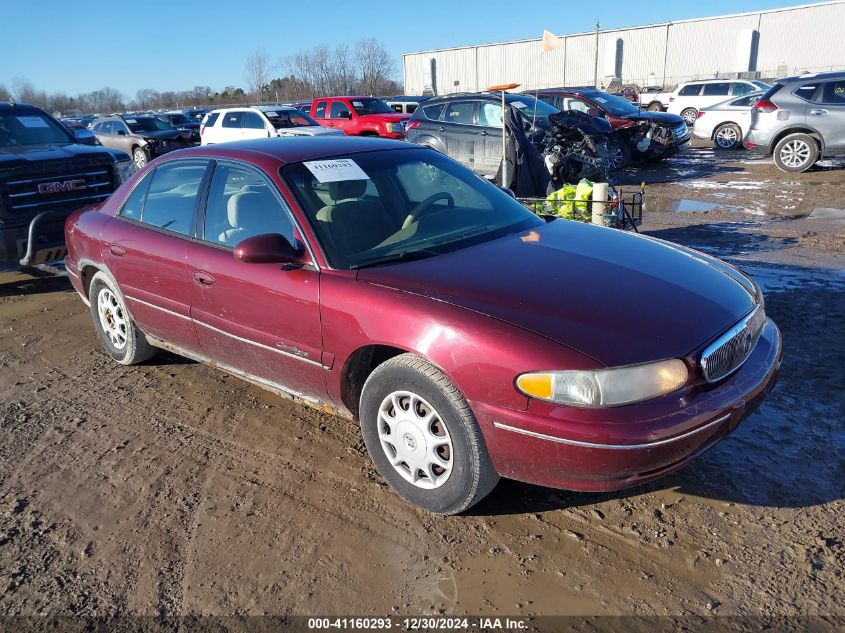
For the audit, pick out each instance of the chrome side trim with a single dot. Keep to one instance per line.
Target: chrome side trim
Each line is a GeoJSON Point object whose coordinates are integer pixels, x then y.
{"type": "Point", "coordinates": [155, 307]}
{"type": "Point", "coordinates": [560, 440]}
{"type": "Point", "coordinates": [261, 345]}
{"type": "Point", "coordinates": [224, 333]}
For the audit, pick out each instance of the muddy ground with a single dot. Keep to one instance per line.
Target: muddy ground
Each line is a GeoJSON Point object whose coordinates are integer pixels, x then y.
{"type": "Point", "coordinates": [172, 489]}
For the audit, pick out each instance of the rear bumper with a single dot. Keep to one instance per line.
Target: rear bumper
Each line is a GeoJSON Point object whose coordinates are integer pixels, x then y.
{"type": "Point", "coordinates": [575, 449]}
{"type": "Point", "coordinates": [40, 241]}
{"type": "Point", "coordinates": [758, 140]}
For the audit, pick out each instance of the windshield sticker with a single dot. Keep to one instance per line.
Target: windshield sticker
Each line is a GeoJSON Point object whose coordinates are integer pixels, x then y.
{"type": "Point", "coordinates": [271, 115]}
{"type": "Point", "coordinates": [358, 104]}
{"type": "Point", "coordinates": [130, 120]}
{"type": "Point", "coordinates": [601, 99]}
{"type": "Point", "coordinates": [336, 170]}
{"type": "Point", "coordinates": [33, 121]}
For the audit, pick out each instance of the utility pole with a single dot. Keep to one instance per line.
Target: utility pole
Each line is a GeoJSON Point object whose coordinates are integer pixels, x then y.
{"type": "Point", "coordinates": [596, 70]}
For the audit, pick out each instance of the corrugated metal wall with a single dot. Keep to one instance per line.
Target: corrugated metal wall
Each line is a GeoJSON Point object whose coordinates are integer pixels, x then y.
{"type": "Point", "coordinates": [807, 38]}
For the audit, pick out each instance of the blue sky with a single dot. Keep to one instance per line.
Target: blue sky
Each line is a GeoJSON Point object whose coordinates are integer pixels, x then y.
{"type": "Point", "coordinates": [84, 45]}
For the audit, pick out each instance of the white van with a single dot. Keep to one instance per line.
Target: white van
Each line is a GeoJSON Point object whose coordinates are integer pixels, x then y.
{"type": "Point", "coordinates": [688, 98]}
{"type": "Point", "coordinates": [235, 124]}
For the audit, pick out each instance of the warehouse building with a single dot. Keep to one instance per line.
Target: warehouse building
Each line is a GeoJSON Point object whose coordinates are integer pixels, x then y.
{"type": "Point", "coordinates": [756, 45]}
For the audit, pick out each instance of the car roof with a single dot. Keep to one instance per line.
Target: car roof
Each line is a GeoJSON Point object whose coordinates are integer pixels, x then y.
{"type": "Point", "coordinates": [294, 149]}
{"type": "Point", "coordinates": [715, 81]}
{"type": "Point", "coordinates": [407, 98]}
{"type": "Point", "coordinates": [509, 96]}
{"type": "Point", "coordinates": [811, 76]}
{"type": "Point", "coordinates": [20, 107]}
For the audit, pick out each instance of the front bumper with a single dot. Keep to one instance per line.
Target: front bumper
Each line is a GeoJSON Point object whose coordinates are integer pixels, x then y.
{"type": "Point", "coordinates": [39, 242]}
{"type": "Point", "coordinates": [609, 449]}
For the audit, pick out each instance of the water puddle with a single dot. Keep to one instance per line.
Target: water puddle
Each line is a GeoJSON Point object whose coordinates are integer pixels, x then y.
{"type": "Point", "coordinates": [827, 213]}
{"type": "Point", "coordinates": [667, 205]}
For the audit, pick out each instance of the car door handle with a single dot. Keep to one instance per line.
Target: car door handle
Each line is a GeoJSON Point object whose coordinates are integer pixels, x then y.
{"type": "Point", "coordinates": [117, 250]}
{"type": "Point", "coordinates": [203, 278]}
{"type": "Point", "coordinates": [441, 129]}
{"type": "Point", "coordinates": [818, 111]}
{"type": "Point", "coordinates": [483, 132]}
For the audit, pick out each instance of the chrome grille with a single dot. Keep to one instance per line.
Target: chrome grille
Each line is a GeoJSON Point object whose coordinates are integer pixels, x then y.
{"type": "Point", "coordinates": [730, 351]}
{"type": "Point", "coordinates": [26, 194]}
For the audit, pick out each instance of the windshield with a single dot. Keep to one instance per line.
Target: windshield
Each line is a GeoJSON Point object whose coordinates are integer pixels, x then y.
{"type": "Point", "coordinates": [178, 119]}
{"type": "Point", "coordinates": [613, 104]}
{"type": "Point", "coordinates": [290, 118]}
{"type": "Point", "coordinates": [377, 206]}
{"type": "Point", "coordinates": [30, 128]}
{"type": "Point", "coordinates": [371, 106]}
{"type": "Point", "coordinates": [149, 124]}
{"type": "Point", "coordinates": [532, 108]}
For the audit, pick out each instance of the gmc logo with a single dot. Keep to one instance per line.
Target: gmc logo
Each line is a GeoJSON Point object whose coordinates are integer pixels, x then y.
{"type": "Point", "coordinates": [47, 188]}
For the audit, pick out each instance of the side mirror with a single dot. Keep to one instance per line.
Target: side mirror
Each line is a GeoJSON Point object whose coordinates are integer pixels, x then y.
{"type": "Point", "coordinates": [347, 115]}
{"type": "Point", "coordinates": [595, 112]}
{"type": "Point", "coordinates": [85, 137]}
{"type": "Point", "coordinates": [268, 248]}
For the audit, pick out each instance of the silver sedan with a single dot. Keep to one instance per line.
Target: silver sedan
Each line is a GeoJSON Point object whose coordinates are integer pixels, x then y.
{"type": "Point", "coordinates": [726, 123]}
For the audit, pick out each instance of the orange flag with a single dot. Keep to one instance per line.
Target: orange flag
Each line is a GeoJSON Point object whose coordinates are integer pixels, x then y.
{"type": "Point", "coordinates": [551, 41]}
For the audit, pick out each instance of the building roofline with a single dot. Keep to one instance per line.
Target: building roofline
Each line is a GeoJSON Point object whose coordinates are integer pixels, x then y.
{"type": "Point", "coordinates": [631, 28]}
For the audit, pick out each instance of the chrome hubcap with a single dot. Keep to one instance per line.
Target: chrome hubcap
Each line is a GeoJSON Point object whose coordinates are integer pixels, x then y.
{"type": "Point", "coordinates": [415, 439]}
{"type": "Point", "coordinates": [726, 137]}
{"type": "Point", "coordinates": [112, 318]}
{"type": "Point", "coordinates": [795, 153]}
{"type": "Point", "coordinates": [140, 158]}
{"type": "Point", "coordinates": [689, 116]}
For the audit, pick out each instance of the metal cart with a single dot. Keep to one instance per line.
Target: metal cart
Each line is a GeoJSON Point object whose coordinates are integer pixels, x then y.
{"type": "Point", "coordinates": [623, 211]}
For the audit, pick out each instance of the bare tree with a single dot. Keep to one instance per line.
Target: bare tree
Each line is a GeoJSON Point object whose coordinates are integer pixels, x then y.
{"type": "Point", "coordinates": [146, 98]}
{"type": "Point", "coordinates": [5, 95]}
{"type": "Point", "coordinates": [375, 66]}
{"type": "Point", "coordinates": [257, 72]}
{"type": "Point", "coordinates": [25, 92]}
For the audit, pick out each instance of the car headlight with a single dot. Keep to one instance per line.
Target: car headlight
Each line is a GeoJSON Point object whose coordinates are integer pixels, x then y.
{"type": "Point", "coordinates": [125, 168]}
{"type": "Point", "coordinates": [606, 387]}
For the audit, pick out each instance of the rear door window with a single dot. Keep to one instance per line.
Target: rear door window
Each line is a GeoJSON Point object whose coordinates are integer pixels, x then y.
{"type": "Point", "coordinates": [833, 93]}
{"type": "Point", "coordinates": [320, 110]}
{"type": "Point", "coordinates": [716, 90]}
{"type": "Point", "coordinates": [233, 119]}
{"type": "Point", "coordinates": [461, 112]}
{"type": "Point", "coordinates": [172, 195]}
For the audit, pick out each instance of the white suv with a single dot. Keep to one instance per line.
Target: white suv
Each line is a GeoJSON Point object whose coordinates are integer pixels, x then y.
{"type": "Point", "coordinates": [688, 98]}
{"type": "Point", "coordinates": [235, 124]}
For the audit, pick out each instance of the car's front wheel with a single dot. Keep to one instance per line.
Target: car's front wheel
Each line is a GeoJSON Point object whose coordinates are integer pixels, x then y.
{"type": "Point", "coordinates": [796, 152]}
{"type": "Point", "coordinates": [727, 136]}
{"type": "Point", "coordinates": [689, 116]}
{"type": "Point", "coordinates": [139, 157]}
{"type": "Point", "coordinates": [123, 341]}
{"type": "Point", "coordinates": [423, 437]}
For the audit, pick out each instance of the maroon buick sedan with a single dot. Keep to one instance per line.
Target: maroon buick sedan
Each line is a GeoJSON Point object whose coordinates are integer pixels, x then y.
{"type": "Point", "coordinates": [389, 284]}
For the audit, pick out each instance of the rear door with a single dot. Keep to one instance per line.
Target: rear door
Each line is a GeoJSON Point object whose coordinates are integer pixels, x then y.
{"type": "Point", "coordinates": [827, 114]}
{"type": "Point", "coordinates": [459, 130]}
{"type": "Point", "coordinates": [146, 245]}
{"type": "Point", "coordinates": [231, 126]}
{"type": "Point", "coordinates": [261, 320]}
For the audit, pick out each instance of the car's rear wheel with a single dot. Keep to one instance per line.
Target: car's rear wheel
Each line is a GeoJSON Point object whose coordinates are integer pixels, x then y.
{"type": "Point", "coordinates": [118, 334]}
{"type": "Point", "coordinates": [655, 106]}
{"type": "Point", "coordinates": [727, 136]}
{"type": "Point", "coordinates": [796, 152]}
{"type": "Point", "coordinates": [423, 437]}
{"type": "Point", "coordinates": [139, 157]}
{"type": "Point", "coordinates": [689, 115]}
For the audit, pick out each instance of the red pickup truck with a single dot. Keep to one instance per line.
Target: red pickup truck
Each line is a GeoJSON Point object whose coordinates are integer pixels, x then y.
{"type": "Point", "coordinates": [359, 116]}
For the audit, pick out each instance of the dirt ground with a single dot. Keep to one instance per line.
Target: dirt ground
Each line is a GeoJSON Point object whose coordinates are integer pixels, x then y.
{"type": "Point", "coordinates": [171, 489]}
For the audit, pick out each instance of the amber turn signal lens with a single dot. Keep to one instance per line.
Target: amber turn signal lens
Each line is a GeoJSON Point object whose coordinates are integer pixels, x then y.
{"type": "Point", "coordinates": [536, 385]}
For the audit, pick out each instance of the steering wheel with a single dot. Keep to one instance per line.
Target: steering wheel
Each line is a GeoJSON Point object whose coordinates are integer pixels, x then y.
{"type": "Point", "coordinates": [425, 207]}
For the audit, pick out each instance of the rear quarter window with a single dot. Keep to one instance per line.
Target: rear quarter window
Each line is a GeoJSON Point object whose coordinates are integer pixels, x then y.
{"type": "Point", "coordinates": [211, 119]}
{"type": "Point", "coordinates": [433, 112]}
{"type": "Point", "coordinates": [806, 91]}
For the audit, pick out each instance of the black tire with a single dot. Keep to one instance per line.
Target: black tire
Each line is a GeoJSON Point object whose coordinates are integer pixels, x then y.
{"type": "Point", "coordinates": [135, 348]}
{"type": "Point", "coordinates": [727, 136]}
{"type": "Point", "coordinates": [655, 106]}
{"type": "Point", "coordinates": [139, 157]}
{"type": "Point", "coordinates": [472, 475]}
{"type": "Point", "coordinates": [796, 153]}
{"type": "Point", "coordinates": [689, 115]}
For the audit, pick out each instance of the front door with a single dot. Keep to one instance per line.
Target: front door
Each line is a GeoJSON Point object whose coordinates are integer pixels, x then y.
{"type": "Point", "coordinates": [340, 116]}
{"type": "Point", "coordinates": [146, 246]}
{"type": "Point", "coordinates": [262, 320]}
{"type": "Point", "coordinates": [488, 145]}
{"type": "Point", "coordinates": [255, 125]}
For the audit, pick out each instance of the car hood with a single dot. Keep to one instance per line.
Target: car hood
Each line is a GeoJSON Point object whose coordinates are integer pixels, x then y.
{"type": "Point", "coordinates": [396, 117]}
{"type": "Point", "coordinates": [656, 117]}
{"type": "Point", "coordinates": [28, 154]}
{"type": "Point", "coordinates": [616, 297]}
{"type": "Point", "coordinates": [310, 130]}
{"type": "Point", "coordinates": [161, 135]}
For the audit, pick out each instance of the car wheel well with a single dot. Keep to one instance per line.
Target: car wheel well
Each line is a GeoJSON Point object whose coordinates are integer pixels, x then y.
{"type": "Point", "coordinates": [86, 275]}
{"type": "Point", "coordinates": [368, 133]}
{"type": "Point", "coordinates": [358, 367]}
{"type": "Point", "coordinates": [798, 130]}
